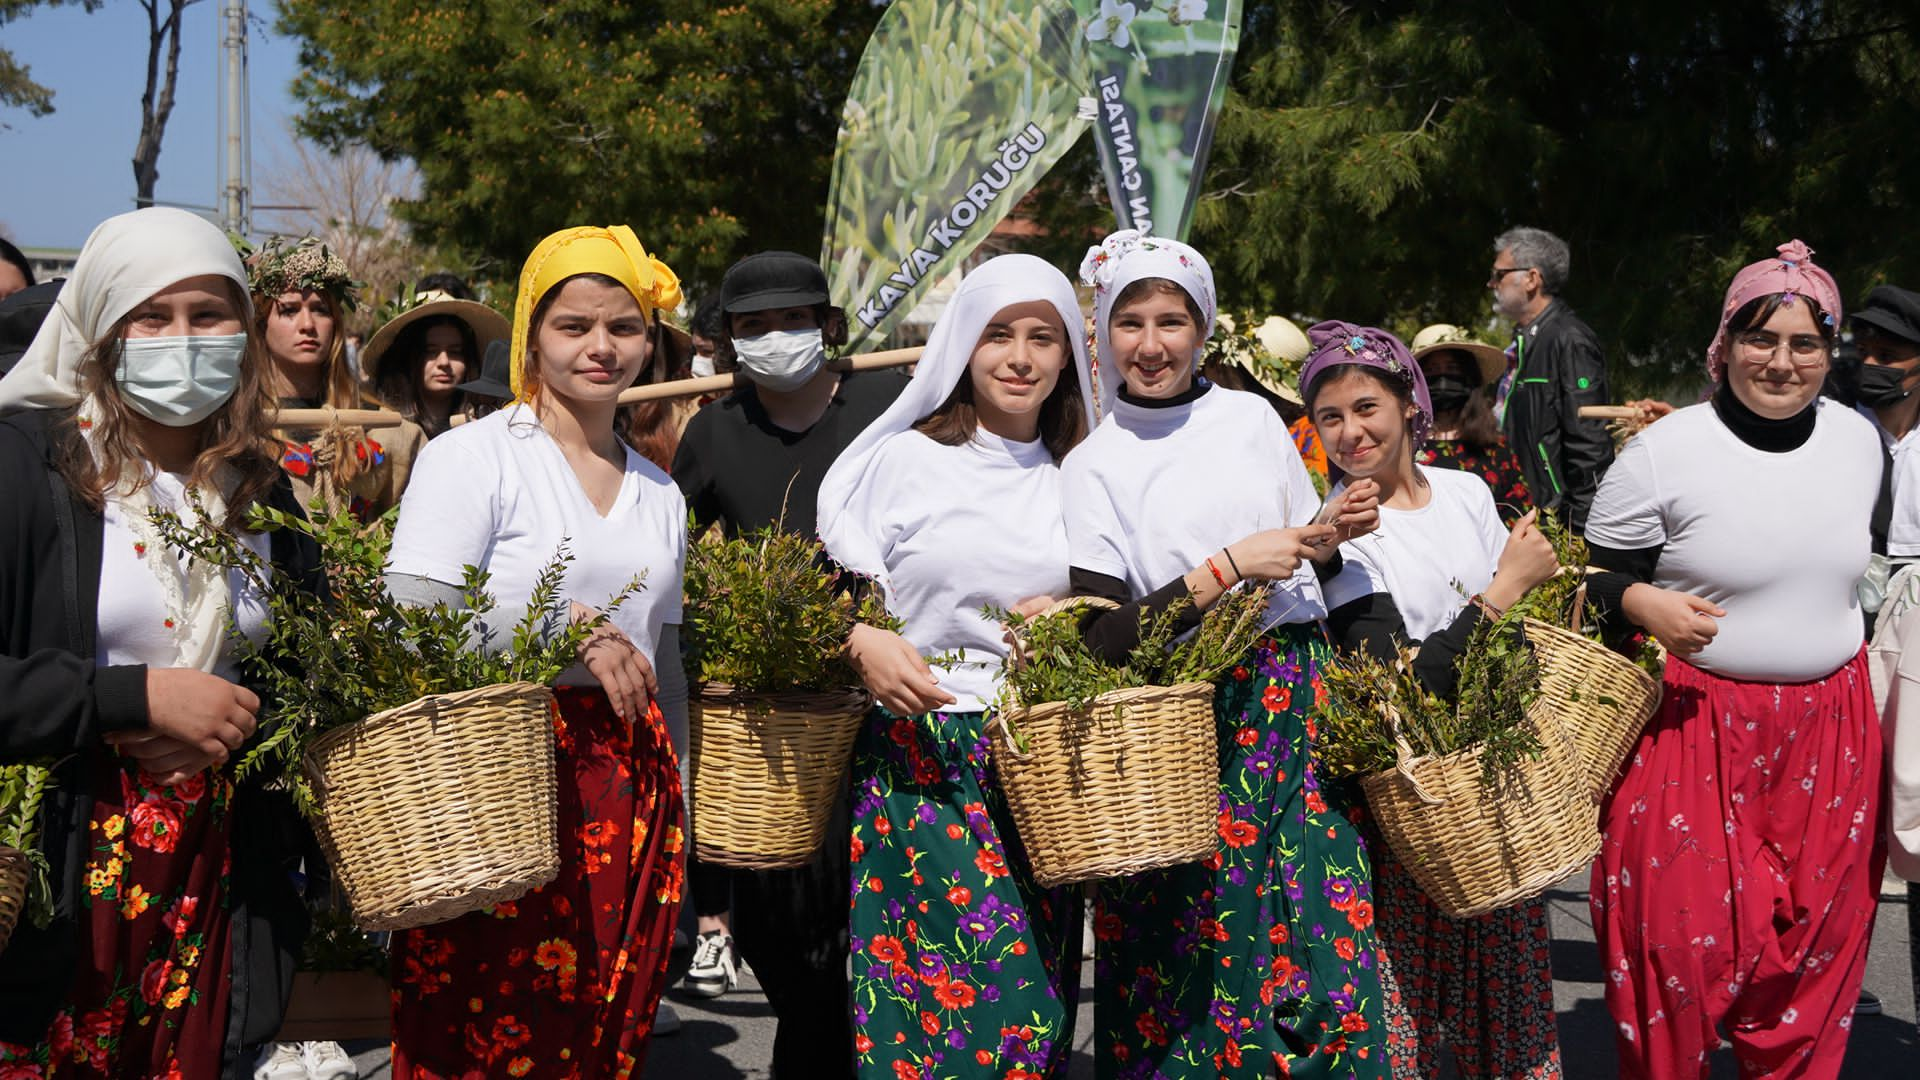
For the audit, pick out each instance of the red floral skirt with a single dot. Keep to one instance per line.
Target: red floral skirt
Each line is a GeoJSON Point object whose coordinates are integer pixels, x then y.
{"type": "Point", "coordinates": [564, 981]}
{"type": "Point", "coordinates": [150, 998]}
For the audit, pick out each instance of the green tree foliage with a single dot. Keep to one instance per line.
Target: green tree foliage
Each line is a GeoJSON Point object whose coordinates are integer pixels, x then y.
{"type": "Point", "coordinates": [17, 88]}
{"type": "Point", "coordinates": [708, 128]}
{"type": "Point", "coordinates": [1370, 152]}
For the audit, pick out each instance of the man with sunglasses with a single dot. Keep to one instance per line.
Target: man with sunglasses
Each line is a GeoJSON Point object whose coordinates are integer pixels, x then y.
{"type": "Point", "coordinates": [1554, 367]}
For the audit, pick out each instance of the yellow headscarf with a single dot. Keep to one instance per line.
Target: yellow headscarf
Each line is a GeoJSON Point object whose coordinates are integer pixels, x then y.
{"type": "Point", "coordinates": [587, 249]}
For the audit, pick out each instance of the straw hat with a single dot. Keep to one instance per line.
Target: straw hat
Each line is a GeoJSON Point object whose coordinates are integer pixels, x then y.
{"type": "Point", "coordinates": [1283, 345]}
{"type": "Point", "coordinates": [487, 325]}
{"type": "Point", "coordinates": [1441, 337]}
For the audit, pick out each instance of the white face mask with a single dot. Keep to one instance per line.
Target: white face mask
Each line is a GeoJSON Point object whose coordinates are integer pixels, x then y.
{"type": "Point", "coordinates": [781, 360]}
{"type": "Point", "coordinates": [180, 381]}
{"type": "Point", "coordinates": [702, 366]}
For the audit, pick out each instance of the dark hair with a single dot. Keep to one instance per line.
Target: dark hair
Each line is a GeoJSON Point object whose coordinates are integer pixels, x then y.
{"type": "Point", "coordinates": [708, 320]}
{"type": "Point", "coordinates": [1754, 314]}
{"type": "Point", "coordinates": [1063, 416]}
{"type": "Point", "coordinates": [1401, 389]}
{"type": "Point", "coordinates": [9, 253]}
{"type": "Point", "coordinates": [1476, 425]}
{"type": "Point", "coordinates": [405, 363]}
{"type": "Point", "coordinates": [442, 281]}
{"type": "Point", "coordinates": [1150, 286]}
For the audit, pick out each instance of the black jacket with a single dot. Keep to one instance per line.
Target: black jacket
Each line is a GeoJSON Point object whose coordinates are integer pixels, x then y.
{"type": "Point", "coordinates": [59, 704]}
{"type": "Point", "coordinates": [1561, 368]}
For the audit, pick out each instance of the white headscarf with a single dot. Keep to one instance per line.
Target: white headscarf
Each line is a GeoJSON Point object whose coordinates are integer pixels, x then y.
{"type": "Point", "coordinates": [1128, 256]}
{"type": "Point", "coordinates": [128, 258]}
{"type": "Point", "coordinates": [848, 506]}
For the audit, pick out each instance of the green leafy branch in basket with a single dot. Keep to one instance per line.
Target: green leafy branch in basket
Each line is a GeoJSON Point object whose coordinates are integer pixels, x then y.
{"type": "Point", "coordinates": [330, 660]}
{"type": "Point", "coordinates": [1553, 601]}
{"type": "Point", "coordinates": [1499, 679]}
{"type": "Point", "coordinates": [767, 612]}
{"type": "Point", "coordinates": [1052, 662]}
{"type": "Point", "coordinates": [23, 788]}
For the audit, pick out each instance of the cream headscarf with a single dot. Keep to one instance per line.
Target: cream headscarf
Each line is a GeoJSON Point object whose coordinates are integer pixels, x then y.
{"type": "Point", "coordinates": [128, 258]}
{"type": "Point", "coordinates": [1128, 256]}
{"type": "Point", "coordinates": [587, 249]}
{"type": "Point", "coordinates": [847, 516]}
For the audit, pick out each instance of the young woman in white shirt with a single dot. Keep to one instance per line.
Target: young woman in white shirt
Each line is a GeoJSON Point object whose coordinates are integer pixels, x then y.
{"type": "Point", "coordinates": [1481, 987]}
{"type": "Point", "coordinates": [950, 503]}
{"type": "Point", "coordinates": [1740, 869]}
{"type": "Point", "coordinates": [1261, 956]}
{"type": "Point", "coordinates": [566, 979]}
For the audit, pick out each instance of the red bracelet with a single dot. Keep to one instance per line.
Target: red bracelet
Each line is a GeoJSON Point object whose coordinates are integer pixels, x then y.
{"type": "Point", "coordinates": [1217, 575]}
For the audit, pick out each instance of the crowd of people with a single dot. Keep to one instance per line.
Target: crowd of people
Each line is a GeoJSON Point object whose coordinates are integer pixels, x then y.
{"type": "Point", "coordinates": [1028, 457]}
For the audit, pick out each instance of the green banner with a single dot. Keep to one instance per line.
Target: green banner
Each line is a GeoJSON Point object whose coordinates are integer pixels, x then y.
{"type": "Point", "coordinates": [1160, 70]}
{"type": "Point", "coordinates": [956, 111]}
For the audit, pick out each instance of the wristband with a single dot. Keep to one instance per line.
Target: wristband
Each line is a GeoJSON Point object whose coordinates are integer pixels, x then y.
{"type": "Point", "coordinates": [1228, 552]}
{"type": "Point", "coordinates": [1481, 602]}
{"type": "Point", "coordinates": [1217, 575]}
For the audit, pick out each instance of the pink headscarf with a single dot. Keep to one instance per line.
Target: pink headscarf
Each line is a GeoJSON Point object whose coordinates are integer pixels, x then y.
{"type": "Point", "coordinates": [1794, 273]}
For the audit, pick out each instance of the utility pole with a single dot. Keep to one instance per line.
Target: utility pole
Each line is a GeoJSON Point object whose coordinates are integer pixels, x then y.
{"type": "Point", "coordinates": [236, 146]}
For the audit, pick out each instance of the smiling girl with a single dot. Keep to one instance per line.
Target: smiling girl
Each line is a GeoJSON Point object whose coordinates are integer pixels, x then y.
{"type": "Point", "coordinates": [1263, 954]}
{"type": "Point", "coordinates": [1481, 987]}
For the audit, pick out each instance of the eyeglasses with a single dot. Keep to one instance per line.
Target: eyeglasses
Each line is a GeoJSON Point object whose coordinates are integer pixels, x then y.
{"type": "Point", "coordinates": [1499, 273]}
{"type": "Point", "coordinates": [1761, 346]}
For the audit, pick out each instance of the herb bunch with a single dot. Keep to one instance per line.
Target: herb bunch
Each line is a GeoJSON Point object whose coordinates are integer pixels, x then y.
{"type": "Point", "coordinates": [1554, 601]}
{"type": "Point", "coordinates": [1499, 679]}
{"type": "Point", "coordinates": [766, 612]}
{"type": "Point", "coordinates": [23, 788]}
{"type": "Point", "coordinates": [1055, 665]}
{"type": "Point", "coordinates": [333, 659]}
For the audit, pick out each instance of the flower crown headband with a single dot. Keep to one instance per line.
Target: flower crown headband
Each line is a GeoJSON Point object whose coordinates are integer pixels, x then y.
{"type": "Point", "coordinates": [308, 265]}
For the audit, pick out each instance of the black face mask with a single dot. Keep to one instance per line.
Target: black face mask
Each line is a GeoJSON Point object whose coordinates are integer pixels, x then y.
{"type": "Point", "coordinates": [1880, 385]}
{"type": "Point", "coordinates": [1450, 393]}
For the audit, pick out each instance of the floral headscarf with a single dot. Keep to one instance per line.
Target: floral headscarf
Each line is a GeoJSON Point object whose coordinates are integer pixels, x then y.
{"type": "Point", "coordinates": [1792, 272]}
{"type": "Point", "coordinates": [1336, 344]}
{"type": "Point", "coordinates": [1128, 256]}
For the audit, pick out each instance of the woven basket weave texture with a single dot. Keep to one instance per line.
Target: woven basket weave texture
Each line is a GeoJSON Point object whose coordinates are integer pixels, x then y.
{"type": "Point", "coordinates": [1603, 699]}
{"type": "Point", "coordinates": [440, 807]}
{"type": "Point", "coordinates": [1130, 783]}
{"type": "Point", "coordinates": [767, 769]}
{"type": "Point", "coordinates": [14, 874]}
{"type": "Point", "coordinates": [1477, 849]}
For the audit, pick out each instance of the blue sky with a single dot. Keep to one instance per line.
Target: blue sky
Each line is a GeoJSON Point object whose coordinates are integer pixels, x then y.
{"type": "Point", "coordinates": [63, 173]}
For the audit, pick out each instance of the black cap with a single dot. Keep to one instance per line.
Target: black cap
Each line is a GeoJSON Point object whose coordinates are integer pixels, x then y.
{"type": "Point", "coordinates": [20, 317]}
{"type": "Point", "coordinates": [1893, 311]}
{"type": "Point", "coordinates": [496, 374]}
{"type": "Point", "coordinates": [773, 279]}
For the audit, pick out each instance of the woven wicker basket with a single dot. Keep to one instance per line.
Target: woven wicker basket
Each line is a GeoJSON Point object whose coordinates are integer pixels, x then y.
{"type": "Point", "coordinates": [440, 807]}
{"type": "Point", "coordinates": [1130, 783]}
{"type": "Point", "coordinates": [767, 770]}
{"type": "Point", "coordinates": [1472, 849]}
{"type": "Point", "coordinates": [14, 874]}
{"type": "Point", "coordinates": [1603, 699]}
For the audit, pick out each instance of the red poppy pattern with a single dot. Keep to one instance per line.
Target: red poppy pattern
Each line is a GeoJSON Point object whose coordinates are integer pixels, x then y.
{"type": "Point", "coordinates": [963, 966]}
{"type": "Point", "coordinates": [563, 982]}
{"type": "Point", "coordinates": [1495, 464]}
{"type": "Point", "coordinates": [151, 994]}
{"type": "Point", "coordinates": [1259, 960]}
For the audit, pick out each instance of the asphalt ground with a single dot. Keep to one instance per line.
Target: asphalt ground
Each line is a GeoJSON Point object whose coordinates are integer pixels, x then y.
{"type": "Point", "coordinates": [731, 1037]}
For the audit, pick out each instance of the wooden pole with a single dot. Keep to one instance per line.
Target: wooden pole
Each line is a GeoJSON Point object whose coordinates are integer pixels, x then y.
{"type": "Point", "coordinates": [1610, 412]}
{"type": "Point", "coordinates": [678, 388]}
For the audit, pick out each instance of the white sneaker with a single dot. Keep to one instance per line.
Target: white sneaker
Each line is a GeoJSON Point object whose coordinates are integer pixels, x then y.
{"type": "Point", "coordinates": [281, 1061]}
{"type": "Point", "coordinates": [665, 1020]}
{"type": "Point", "coordinates": [715, 969]}
{"type": "Point", "coordinates": [328, 1061]}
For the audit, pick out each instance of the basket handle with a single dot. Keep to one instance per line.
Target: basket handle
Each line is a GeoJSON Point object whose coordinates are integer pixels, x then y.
{"type": "Point", "coordinates": [1406, 759]}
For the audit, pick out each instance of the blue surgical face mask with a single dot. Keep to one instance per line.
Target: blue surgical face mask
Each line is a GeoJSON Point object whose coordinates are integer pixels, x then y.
{"type": "Point", "coordinates": [180, 381]}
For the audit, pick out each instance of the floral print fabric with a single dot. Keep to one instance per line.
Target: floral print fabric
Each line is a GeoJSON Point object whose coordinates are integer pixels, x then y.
{"type": "Point", "coordinates": [151, 995]}
{"type": "Point", "coordinates": [962, 965]}
{"type": "Point", "coordinates": [1495, 464]}
{"type": "Point", "coordinates": [563, 982]}
{"type": "Point", "coordinates": [1482, 987]}
{"type": "Point", "coordinates": [1738, 874]}
{"type": "Point", "coordinates": [1261, 959]}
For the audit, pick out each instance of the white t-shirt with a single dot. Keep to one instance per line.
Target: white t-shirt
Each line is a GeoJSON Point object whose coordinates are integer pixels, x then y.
{"type": "Point", "coordinates": [964, 527]}
{"type": "Point", "coordinates": [1154, 491]}
{"type": "Point", "coordinates": [1903, 531]}
{"type": "Point", "coordinates": [1429, 560]}
{"type": "Point", "coordinates": [132, 612]}
{"type": "Point", "coordinates": [499, 494]}
{"type": "Point", "coordinates": [1776, 540]}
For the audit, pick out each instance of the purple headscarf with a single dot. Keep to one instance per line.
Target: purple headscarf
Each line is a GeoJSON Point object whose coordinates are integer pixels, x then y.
{"type": "Point", "coordinates": [1338, 343]}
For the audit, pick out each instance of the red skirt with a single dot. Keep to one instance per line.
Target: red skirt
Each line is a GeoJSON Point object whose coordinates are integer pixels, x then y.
{"type": "Point", "coordinates": [150, 998]}
{"type": "Point", "coordinates": [1736, 886]}
{"type": "Point", "coordinates": [564, 981]}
